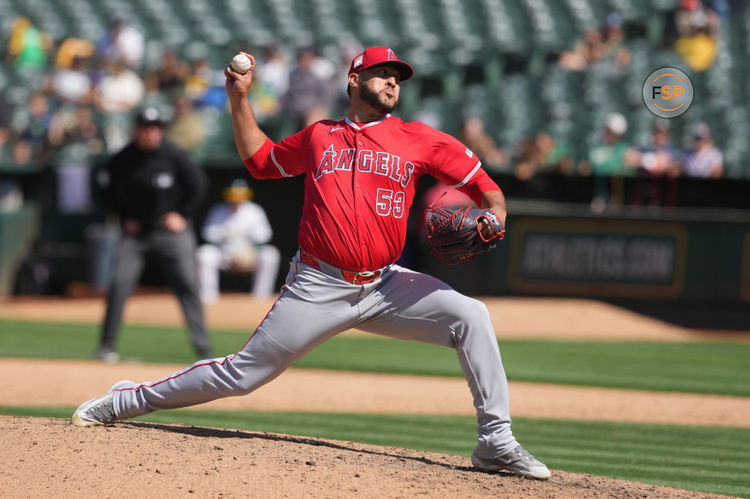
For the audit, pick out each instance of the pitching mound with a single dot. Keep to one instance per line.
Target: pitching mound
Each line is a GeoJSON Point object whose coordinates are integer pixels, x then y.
{"type": "Point", "coordinates": [46, 457]}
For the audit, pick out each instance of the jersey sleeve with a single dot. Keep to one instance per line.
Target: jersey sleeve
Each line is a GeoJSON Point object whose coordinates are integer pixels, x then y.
{"type": "Point", "coordinates": [284, 159]}
{"type": "Point", "coordinates": [457, 166]}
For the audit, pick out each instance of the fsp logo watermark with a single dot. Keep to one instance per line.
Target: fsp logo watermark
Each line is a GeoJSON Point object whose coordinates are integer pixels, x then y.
{"type": "Point", "coordinates": [668, 92]}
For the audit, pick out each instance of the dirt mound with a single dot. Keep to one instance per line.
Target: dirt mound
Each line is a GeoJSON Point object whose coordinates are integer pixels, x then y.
{"type": "Point", "coordinates": [51, 457]}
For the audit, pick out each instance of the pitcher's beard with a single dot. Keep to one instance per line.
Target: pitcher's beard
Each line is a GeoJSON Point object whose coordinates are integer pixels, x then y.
{"type": "Point", "coordinates": [372, 99]}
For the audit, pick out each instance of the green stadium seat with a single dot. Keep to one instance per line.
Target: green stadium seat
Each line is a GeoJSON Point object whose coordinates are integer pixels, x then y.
{"type": "Point", "coordinates": [665, 4]}
{"type": "Point", "coordinates": [548, 28]}
{"type": "Point", "coordinates": [219, 133]}
{"type": "Point", "coordinates": [507, 28]}
{"type": "Point", "coordinates": [481, 40]}
{"type": "Point", "coordinates": [583, 14]}
{"type": "Point", "coordinates": [632, 10]}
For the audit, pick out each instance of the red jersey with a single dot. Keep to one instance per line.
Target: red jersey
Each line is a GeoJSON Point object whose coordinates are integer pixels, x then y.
{"type": "Point", "coordinates": [361, 182]}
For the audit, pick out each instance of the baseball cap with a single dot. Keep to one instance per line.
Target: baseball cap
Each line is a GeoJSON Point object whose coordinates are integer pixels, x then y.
{"type": "Point", "coordinates": [373, 56]}
{"type": "Point", "coordinates": [237, 192]}
{"type": "Point", "coordinates": [616, 123]}
{"type": "Point", "coordinates": [661, 125]}
{"type": "Point", "coordinates": [702, 131]}
{"type": "Point", "coordinates": [149, 116]}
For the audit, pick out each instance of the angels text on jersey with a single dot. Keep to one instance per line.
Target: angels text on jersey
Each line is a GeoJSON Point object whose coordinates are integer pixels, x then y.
{"type": "Point", "coordinates": [365, 161]}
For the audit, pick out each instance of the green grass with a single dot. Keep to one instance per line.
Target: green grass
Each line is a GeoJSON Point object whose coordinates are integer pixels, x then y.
{"type": "Point", "coordinates": [137, 343]}
{"type": "Point", "coordinates": [694, 458]}
{"type": "Point", "coordinates": [716, 368]}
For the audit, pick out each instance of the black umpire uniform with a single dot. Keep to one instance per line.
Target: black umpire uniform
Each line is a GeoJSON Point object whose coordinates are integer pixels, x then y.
{"type": "Point", "coordinates": [153, 186]}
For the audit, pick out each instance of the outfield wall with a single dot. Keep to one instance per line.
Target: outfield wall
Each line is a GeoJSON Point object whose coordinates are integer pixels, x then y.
{"type": "Point", "coordinates": [561, 249]}
{"type": "Point", "coordinates": [558, 248]}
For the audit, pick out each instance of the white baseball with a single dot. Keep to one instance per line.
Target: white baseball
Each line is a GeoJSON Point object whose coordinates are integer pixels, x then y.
{"type": "Point", "coordinates": [241, 63]}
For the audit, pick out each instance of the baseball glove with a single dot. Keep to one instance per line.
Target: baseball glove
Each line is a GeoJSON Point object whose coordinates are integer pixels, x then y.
{"type": "Point", "coordinates": [455, 234]}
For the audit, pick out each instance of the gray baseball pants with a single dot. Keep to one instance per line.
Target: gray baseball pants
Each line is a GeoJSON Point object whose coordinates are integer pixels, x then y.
{"type": "Point", "coordinates": [315, 305]}
{"type": "Point", "coordinates": [176, 254]}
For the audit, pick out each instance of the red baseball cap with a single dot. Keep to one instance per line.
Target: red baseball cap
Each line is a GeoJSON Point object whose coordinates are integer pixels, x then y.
{"type": "Point", "coordinates": [373, 56]}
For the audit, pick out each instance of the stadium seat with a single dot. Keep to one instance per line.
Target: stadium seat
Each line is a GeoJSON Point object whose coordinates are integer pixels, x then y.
{"type": "Point", "coordinates": [508, 46]}
{"type": "Point", "coordinates": [631, 10]}
{"type": "Point", "coordinates": [219, 134]}
{"type": "Point", "coordinates": [460, 40]}
{"type": "Point", "coordinates": [547, 27]}
{"type": "Point", "coordinates": [582, 12]}
{"type": "Point", "coordinates": [507, 28]}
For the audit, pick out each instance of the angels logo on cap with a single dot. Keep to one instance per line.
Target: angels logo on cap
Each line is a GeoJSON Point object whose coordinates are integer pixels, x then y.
{"type": "Point", "coordinates": [373, 56]}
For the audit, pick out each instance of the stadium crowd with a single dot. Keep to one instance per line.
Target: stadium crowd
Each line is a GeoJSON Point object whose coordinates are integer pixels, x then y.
{"type": "Point", "coordinates": [81, 94]}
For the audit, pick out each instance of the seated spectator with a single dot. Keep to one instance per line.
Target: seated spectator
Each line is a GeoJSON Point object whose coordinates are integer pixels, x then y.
{"type": "Point", "coordinates": [698, 46]}
{"type": "Point", "coordinates": [274, 71]}
{"type": "Point", "coordinates": [589, 49]}
{"type": "Point", "coordinates": [609, 161]}
{"type": "Point", "coordinates": [614, 41]}
{"type": "Point", "coordinates": [75, 139]}
{"type": "Point", "coordinates": [29, 47]}
{"type": "Point", "coordinates": [272, 83]}
{"type": "Point", "coordinates": [187, 129]}
{"type": "Point", "coordinates": [526, 159]}
{"type": "Point", "coordinates": [171, 74]}
{"type": "Point", "coordinates": [72, 84]}
{"type": "Point", "coordinates": [152, 95]}
{"type": "Point", "coordinates": [473, 135]}
{"type": "Point", "coordinates": [705, 160]}
{"type": "Point", "coordinates": [76, 128]}
{"type": "Point", "coordinates": [72, 48]}
{"type": "Point", "coordinates": [122, 42]}
{"type": "Point", "coordinates": [31, 125]}
{"type": "Point", "coordinates": [205, 85]}
{"type": "Point", "coordinates": [120, 91]}
{"type": "Point", "coordinates": [541, 154]}
{"type": "Point", "coordinates": [661, 157]}
{"type": "Point", "coordinates": [199, 79]}
{"type": "Point", "coordinates": [237, 232]}
{"type": "Point", "coordinates": [309, 96]}
{"type": "Point", "coordinates": [555, 154]}
{"type": "Point", "coordinates": [658, 168]}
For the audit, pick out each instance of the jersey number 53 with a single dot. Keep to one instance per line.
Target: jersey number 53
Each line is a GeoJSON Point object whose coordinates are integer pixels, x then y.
{"type": "Point", "coordinates": [390, 203]}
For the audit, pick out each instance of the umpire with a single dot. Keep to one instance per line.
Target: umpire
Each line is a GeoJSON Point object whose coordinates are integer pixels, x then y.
{"type": "Point", "coordinates": [153, 186]}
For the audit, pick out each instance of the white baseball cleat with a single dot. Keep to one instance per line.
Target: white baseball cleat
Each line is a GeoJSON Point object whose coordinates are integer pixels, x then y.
{"type": "Point", "coordinates": [98, 411]}
{"type": "Point", "coordinates": [518, 461]}
{"type": "Point", "coordinates": [107, 355]}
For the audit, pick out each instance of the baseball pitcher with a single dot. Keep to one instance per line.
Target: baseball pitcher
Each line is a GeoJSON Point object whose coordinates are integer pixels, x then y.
{"type": "Point", "coordinates": [360, 177]}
